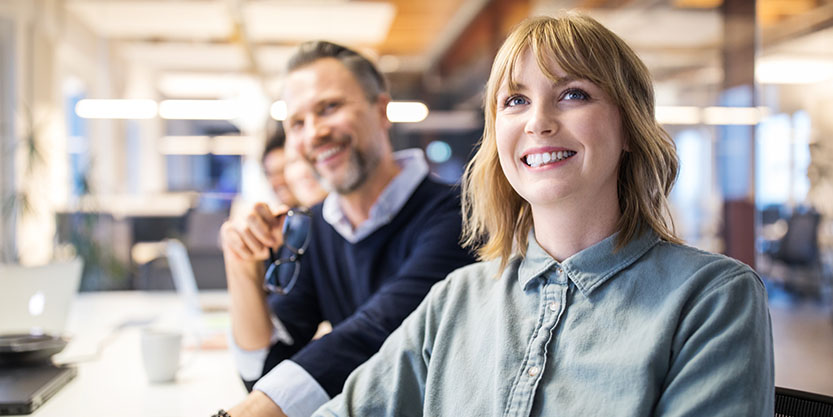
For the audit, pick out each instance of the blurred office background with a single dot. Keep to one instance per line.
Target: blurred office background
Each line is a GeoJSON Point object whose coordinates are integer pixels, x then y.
{"type": "Point", "coordinates": [744, 87]}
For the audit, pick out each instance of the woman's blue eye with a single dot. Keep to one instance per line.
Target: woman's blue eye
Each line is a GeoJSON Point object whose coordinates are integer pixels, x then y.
{"type": "Point", "coordinates": [515, 101]}
{"type": "Point", "coordinates": [575, 94]}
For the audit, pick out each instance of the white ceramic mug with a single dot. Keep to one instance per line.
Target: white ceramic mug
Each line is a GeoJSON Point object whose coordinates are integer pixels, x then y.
{"type": "Point", "coordinates": [160, 354]}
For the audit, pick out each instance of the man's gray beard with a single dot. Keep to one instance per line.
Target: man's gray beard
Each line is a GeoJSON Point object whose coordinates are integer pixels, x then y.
{"type": "Point", "coordinates": [360, 167]}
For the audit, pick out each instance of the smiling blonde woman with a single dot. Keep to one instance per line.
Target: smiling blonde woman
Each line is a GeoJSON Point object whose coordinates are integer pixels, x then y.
{"type": "Point", "coordinates": [585, 302]}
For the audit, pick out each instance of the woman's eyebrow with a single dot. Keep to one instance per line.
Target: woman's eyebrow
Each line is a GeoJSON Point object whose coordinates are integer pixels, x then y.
{"type": "Point", "coordinates": [567, 79]}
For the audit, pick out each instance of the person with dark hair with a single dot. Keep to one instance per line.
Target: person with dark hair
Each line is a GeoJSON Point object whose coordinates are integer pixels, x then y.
{"type": "Point", "coordinates": [274, 163]}
{"type": "Point", "coordinates": [362, 260]}
{"type": "Point", "coordinates": [302, 181]}
{"type": "Point", "coordinates": [585, 303]}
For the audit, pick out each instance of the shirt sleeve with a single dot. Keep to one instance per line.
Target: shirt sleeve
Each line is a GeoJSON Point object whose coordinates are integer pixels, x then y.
{"type": "Point", "coordinates": [392, 382]}
{"type": "Point", "coordinates": [434, 255]}
{"type": "Point", "coordinates": [292, 389]}
{"type": "Point", "coordinates": [250, 362]}
{"type": "Point", "coordinates": [722, 359]}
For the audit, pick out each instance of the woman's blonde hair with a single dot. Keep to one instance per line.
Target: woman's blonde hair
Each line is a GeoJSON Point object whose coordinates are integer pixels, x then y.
{"type": "Point", "coordinates": [496, 219]}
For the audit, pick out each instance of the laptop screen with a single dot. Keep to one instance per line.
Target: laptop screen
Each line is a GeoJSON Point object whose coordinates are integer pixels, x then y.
{"type": "Point", "coordinates": [37, 299]}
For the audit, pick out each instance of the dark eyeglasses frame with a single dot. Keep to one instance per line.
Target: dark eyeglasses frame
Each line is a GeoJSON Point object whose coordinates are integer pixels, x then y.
{"type": "Point", "coordinates": [271, 282]}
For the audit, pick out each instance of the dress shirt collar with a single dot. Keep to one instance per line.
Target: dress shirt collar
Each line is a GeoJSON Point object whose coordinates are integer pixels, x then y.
{"type": "Point", "coordinates": [589, 268]}
{"type": "Point", "coordinates": [414, 169]}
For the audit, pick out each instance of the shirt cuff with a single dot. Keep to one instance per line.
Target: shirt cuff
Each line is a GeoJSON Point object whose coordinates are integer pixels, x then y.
{"type": "Point", "coordinates": [250, 362]}
{"type": "Point", "coordinates": [293, 389]}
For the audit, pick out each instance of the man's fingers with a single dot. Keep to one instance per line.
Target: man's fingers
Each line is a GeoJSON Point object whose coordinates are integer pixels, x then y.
{"type": "Point", "coordinates": [261, 228]}
{"type": "Point", "coordinates": [234, 242]}
{"type": "Point", "coordinates": [273, 219]}
{"type": "Point", "coordinates": [258, 249]}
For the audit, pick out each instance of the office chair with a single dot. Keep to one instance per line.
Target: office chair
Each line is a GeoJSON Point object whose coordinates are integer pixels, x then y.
{"type": "Point", "coordinates": [794, 403]}
{"type": "Point", "coordinates": [797, 254]}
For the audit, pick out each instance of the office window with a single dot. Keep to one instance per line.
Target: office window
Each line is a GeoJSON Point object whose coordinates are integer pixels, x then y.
{"type": "Point", "coordinates": [692, 195]}
{"type": "Point", "coordinates": [782, 155]}
{"type": "Point", "coordinates": [78, 147]}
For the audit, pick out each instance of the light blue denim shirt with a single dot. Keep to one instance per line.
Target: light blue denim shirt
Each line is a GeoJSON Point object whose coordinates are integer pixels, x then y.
{"type": "Point", "coordinates": [652, 329]}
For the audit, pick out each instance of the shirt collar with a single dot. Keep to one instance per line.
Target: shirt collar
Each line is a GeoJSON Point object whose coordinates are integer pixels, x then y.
{"type": "Point", "coordinates": [414, 169]}
{"type": "Point", "coordinates": [589, 268]}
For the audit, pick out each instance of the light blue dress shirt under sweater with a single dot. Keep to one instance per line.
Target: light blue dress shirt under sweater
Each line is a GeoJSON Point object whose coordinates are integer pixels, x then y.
{"type": "Point", "coordinates": [652, 329]}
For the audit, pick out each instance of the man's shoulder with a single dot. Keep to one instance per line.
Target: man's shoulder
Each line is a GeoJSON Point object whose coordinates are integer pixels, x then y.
{"type": "Point", "coordinates": [431, 202]}
{"type": "Point", "coordinates": [431, 191]}
{"type": "Point", "coordinates": [431, 185]}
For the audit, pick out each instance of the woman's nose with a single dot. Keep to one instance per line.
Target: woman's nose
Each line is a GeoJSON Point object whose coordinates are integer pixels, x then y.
{"type": "Point", "coordinates": [542, 121]}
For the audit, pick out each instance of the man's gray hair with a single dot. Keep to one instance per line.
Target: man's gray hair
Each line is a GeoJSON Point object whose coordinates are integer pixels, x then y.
{"type": "Point", "coordinates": [367, 75]}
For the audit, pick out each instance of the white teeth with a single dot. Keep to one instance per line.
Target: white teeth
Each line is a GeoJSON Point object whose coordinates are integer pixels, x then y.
{"type": "Point", "coordinates": [538, 159]}
{"type": "Point", "coordinates": [328, 153]}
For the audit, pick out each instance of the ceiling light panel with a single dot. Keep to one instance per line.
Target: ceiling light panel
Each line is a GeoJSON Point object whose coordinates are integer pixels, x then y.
{"type": "Point", "coordinates": [789, 69]}
{"type": "Point", "coordinates": [663, 27]}
{"type": "Point", "coordinates": [187, 56]}
{"type": "Point", "coordinates": [155, 19]}
{"type": "Point", "coordinates": [273, 59]}
{"type": "Point", "coordinates": [202, 85]}
{"type": "Point", "coordinates": [349, 23]}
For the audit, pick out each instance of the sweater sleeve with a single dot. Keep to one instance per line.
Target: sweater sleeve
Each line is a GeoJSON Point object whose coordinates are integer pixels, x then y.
{"type": "Point", "coordinates": [435, 254]}
{"type": "Point", "coordinates": [299, 314]}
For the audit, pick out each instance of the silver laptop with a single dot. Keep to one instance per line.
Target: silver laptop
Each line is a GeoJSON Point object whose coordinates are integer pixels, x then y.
{"type": "Point", "coordinates": [37, 299]}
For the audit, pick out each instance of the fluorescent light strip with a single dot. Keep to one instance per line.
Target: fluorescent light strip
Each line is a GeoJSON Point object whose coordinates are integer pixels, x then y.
{"type": "Point", "coordinates": [199, 109]}
{"type": "Point", "coordinates": [787, 70]}
{"type": "Point", "coordinates": [678, 115]}
{"type": "Point", "coordinates": [397, 111]}
{"type": "Point", "coordinates": [721, 116]}
{"type": "Point", "coordinates": [406, 111]}
{"type": "Point", "coordinates": [203, 145]}
{"type": "Point", "coordinates": [184, 145]}
{"type": "Point", "coordinates": [116, 109]}
{"type": "Point", "coordinates": [731, 115]}
{"type": "Point", "coordinates": [278, 110]}
{"type": "Point", "coordinates": [233, 145]}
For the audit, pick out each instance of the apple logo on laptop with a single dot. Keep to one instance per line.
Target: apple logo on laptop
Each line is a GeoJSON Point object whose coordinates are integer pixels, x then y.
{"type": "Point", "coordinates": [36, 303]}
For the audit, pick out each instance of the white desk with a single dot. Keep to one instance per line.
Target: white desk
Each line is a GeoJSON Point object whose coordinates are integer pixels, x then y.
{"type": "Point", "coordinates": [114, 383]}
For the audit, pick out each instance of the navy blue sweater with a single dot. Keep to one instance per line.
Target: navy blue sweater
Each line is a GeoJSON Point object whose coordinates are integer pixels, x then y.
{"type": "Point", "coordinates": [366, 289]}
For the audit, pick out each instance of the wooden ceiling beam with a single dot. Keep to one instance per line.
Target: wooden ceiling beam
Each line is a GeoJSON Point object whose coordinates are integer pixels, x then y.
{"type": "Point", "coordinates": [484, 35]}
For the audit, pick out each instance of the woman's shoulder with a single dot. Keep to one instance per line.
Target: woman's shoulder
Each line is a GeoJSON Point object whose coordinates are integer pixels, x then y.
{"type": "Point", "coordinates": [476, 277]}
{"type": "Point", "coordinates": [690, 262]}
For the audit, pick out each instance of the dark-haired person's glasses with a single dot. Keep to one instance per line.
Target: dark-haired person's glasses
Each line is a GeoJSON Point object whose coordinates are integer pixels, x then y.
{"type": "Point", "coordinates": [285, 263]}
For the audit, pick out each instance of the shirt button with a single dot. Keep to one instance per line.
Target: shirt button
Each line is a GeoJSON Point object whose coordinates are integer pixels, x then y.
{"type": "Point", "coordinates": [533, 371]}
{"type": "Point", "coordinates": [553, 306]}
{"type": "Point", "coordinates": [558, 270]}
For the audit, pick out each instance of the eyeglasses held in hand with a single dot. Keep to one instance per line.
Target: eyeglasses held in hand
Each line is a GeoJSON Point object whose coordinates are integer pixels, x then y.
{"type": "Point", "coordinates": [285, 263]}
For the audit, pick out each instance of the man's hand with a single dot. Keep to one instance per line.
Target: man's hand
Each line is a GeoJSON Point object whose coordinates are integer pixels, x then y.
{"type": "Point", "coordinates": [256, 404]}
{"type": "Point", "coordinates": [248, 241]}
{"type": "Point", "coordinates": [246, 245]}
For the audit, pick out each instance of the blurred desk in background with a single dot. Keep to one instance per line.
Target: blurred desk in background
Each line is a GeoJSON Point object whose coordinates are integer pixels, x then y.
{"type": "Point", "coordinates": [104, 330]}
